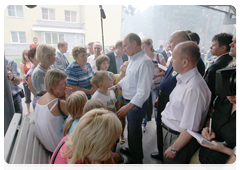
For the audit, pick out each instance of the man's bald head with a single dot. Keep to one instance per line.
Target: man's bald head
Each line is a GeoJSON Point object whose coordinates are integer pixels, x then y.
{"type": "Point", "coordinates": [178, 37]}
{"type": "Point", "coordinates": [190, 51]}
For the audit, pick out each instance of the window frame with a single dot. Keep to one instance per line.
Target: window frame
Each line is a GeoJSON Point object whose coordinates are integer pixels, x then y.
{"type": "Point", "coordinates": [48, 14]}
{"type": "Point", "coordinates": [70, 16]}
{"type": "Point", "coordinates": [52, 37]}
{"type": "Point", "coordinates": [18, 37]}
{"type": "Point", "coordinates": [15, 10]}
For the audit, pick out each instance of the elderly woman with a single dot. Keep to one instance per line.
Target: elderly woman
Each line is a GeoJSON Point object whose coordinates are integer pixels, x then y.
{"type": "Point", "coordinates": [79, 72]}
{"type": "Point", "coordinates": [46, 57]}
{"type": "Point", "coordinates": [32, 58]}
{"type": "Point", "coordinates": [147, 46]}
{"type": "Point", "coordinates": [90, 142]}
{"type": "Point", "coordinates": [50, 110]}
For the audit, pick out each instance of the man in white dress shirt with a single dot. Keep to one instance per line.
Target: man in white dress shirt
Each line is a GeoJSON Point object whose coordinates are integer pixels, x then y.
{"type": "Point", "coordinates": [97, 48]}
{"type": "Point", "coordinates": [188, 105]}
{"type": "Point", "coordinates": [136, 87]}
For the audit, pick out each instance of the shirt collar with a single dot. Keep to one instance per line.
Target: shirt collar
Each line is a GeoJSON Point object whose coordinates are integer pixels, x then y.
{"type": "Point", "coordinates": [135, 56]}
{"type": "Point", "coordinates": [187, 76]}
{"type": "Point", "coordinates": [220, 56]}
{"type": "Point", "coordinates": [116, 54]}
{"type": "Point", "coordinates": [60, 52]}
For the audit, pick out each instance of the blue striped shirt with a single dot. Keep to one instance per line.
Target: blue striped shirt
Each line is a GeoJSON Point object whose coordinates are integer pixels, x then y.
{"type": "Point", "coordinates": [76, 76]}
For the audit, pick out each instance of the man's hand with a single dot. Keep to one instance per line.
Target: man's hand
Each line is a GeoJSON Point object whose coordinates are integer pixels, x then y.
{"type": "Point", "coordinates": [10, 75]}
{"type": "Point", "coordinates": [125, 109]}
{"type": "Point", "coordinates": [168, 153]}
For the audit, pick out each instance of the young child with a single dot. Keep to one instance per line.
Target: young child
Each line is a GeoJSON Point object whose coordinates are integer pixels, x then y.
{"type": "Point", "coordinates": [74, 105]}
{"type": "Point", "coordinates": [120, 99]}
{"type": "Point", "coordinates": [102, 80]}
{"type": "Point", "coordinates": [102, 63]}
{"type": "Point", "coordinates": [93, 103]}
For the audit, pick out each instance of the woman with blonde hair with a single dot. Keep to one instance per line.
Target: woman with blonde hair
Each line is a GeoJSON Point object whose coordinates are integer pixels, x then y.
{"type": "Point", "coordinates": [91, 141]}
{"type": "Point", "coordinates": [79, 72]}
{"type": "Point", "coordinates": [50, 110]}
{"type": "Point", "coordinates": [74, 106]}
{"type": "Point", "coordinates": [45, 54]}
{"type": "Point", "coordinates": [147, 46]}
{"type": "Point", "coordinates": [25, 66]}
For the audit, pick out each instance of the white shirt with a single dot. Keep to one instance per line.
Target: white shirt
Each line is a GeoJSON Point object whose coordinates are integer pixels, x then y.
{"type": "Point", "coordinates": [188, 103]}
{"type": "Point", "coordinates": [108, 100]}
{"type": "Point", "coordinates": [119, 62]}
{"type": "Point", "coordinates": [92, 61]}
{"type": "Point", "coordinates": [136, 85]}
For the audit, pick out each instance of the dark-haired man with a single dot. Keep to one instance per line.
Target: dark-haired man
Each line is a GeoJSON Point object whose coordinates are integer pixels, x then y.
{"type": "Point", "coordinates": [166, 52]}
{"type": "Point", "coordinates": [117, 58]}
{"type": "Point", "coordinates": [220, 48]}
{"type": "Point", "coordinates": [61, 61]}
{"type": "Point", "coordinates": [136, 87]}
{"type": "Point", "coordinates": [187, 107]}
{"type": "Point", "coordinates": [90, 49]}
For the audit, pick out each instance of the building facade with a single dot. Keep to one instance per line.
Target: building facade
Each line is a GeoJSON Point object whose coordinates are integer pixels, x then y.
{"type": "Point", "coordinates": [75, 24]}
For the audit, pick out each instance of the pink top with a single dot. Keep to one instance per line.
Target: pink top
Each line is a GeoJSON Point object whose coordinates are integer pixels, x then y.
{"type": "Point", "coordinates": [61, 163]}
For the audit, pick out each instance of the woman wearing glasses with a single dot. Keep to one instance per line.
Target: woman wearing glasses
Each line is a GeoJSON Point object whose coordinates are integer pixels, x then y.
{"type": "Point", "coordinates": [79, 72]}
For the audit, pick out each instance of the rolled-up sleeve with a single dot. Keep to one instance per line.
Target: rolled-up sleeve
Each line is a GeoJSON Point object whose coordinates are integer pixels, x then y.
{"type": "Point", "coordinates": [144, 81]}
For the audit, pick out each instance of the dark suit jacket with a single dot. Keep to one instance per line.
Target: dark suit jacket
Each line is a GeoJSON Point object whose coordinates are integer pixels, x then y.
{"type": "Point", "coordinates": [210, 75]}
{"type": "Point", "coordinates": [112, 63]}
{"type": "Point", "coordinates": [165, 55]}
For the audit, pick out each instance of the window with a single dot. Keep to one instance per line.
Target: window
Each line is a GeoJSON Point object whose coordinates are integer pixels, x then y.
{"type": "Point", "coordinates": [18, 37]}
{"type": "Point", "coordinates": [48, 14]}
{"type": "Point", "coordinates": [70, 16]}
{"type": "Point", "coordinates": [15, 11]}
{"type": "Point", "coordinates": [53, 38]}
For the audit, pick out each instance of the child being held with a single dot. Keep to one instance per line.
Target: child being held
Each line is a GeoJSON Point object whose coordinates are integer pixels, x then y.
{"type": "Point", "coordinates": [102, 80]}
{"type": "Point", "coordinates": [74, 105]}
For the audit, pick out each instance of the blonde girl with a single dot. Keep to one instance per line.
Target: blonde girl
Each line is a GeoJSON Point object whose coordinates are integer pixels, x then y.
{"type": "Point", "coordinates": [74, 106]}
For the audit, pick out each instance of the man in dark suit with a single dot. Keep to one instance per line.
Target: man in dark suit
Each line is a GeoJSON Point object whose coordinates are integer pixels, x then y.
{"type": "Point", "coordinates": [61, 61]}
{"type": "Point", "coordinates": [220, 48]}
{"type": "Point", "coordinates": [166, 54]}
{"type": "Point", "coordinates": [117, 58]}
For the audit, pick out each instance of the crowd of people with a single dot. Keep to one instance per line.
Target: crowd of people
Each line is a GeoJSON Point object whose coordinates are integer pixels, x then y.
{"type": "Point", "coordinates": [80, 108]}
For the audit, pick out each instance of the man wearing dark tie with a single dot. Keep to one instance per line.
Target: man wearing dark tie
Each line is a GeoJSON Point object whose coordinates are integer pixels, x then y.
{"type": "Point", "coordinates": [61, 61]}
{"type": "Point", "coordinates": [166, 54]}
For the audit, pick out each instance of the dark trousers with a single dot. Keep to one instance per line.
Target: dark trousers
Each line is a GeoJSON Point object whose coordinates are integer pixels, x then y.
{"type": "Point", "coordinates": [17, 101]}
{"type": "Point", "coordinates": [134, 118]}
{"type": "Point", "coordinates": [27, 93]}
{"type": "Point", "coordinates": [162, 101]}
{"type": "Point", "coordinates": [185, 154]}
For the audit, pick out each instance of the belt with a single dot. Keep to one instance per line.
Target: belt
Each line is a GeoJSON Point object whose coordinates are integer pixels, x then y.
{"type": "Point", "coordinates": [170, 130]}
{"type": "Point", "coordinates": [162, 93]}
{"type": "Point", "coordinates": [127, 100]}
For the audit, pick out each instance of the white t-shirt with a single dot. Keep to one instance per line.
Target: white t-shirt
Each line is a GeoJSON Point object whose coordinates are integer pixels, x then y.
{"type": "Point", "coordinates": [92, 61]}
{"type": "Point", "coordinates": [108, 100]}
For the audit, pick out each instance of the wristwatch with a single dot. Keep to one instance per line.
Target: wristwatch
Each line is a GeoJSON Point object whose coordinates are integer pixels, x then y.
{"type": "Point", "coordinates": [173, 151]}
{"type": "Point", "coordinates": [13, 78]}
{"type": "Point", "coordinates": [235, 151]}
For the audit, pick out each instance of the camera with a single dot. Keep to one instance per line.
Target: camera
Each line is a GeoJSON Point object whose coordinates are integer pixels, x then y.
{"type": "Point", "coordinates": [226, 82]}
